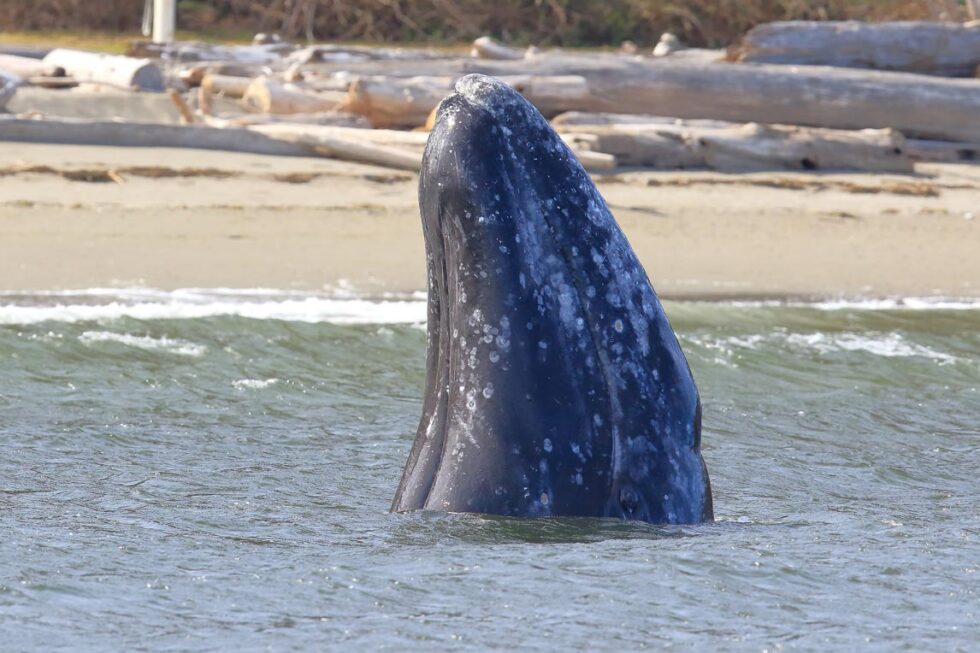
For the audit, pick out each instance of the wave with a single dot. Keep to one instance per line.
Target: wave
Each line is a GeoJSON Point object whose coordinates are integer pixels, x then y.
{"type": "Point", "coordinates": [102, 304]}
{"type": "Point", "coordinates": [342, 305]}
{"type": "Point", "coordinates": [171, 345]}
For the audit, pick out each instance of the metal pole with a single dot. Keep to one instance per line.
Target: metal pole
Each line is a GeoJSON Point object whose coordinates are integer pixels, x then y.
{"type": "Point", "coordinates": [164, 20]}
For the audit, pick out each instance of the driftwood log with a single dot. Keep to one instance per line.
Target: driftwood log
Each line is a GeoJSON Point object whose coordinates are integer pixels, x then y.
{"type": "Point", "coordinates": [581, 124]}
{"type": "Point", "coordinates": [948, 49]}
{"type": "Point", "coordinates": [27, 67]}
{"type": "Point", "coordinates": [264, 95]}
{"type": "Point", "coordinates": [487, 48]}
{"type": "Point", "coordinates": [225, 85]}
{"type": "Point", "coordinates": [744, 148]}
{"type": "Point", "coordinates": [112, 70]}
{"type": "Point", "coordinates": [8, 86]}
{"type": "Point", "coordinates": [133, 134]}
{"type": "Point", "coordinates": [408, 102]}
{"type": "Point", "coordinates": [396, 102]}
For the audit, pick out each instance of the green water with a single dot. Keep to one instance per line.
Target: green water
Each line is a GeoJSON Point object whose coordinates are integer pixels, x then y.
{"type": "Point", "coordinates": [202, 480]}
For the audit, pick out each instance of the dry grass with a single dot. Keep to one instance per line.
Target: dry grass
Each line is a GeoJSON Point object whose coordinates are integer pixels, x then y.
{"type": "Point", "coordinates": [545, 22]}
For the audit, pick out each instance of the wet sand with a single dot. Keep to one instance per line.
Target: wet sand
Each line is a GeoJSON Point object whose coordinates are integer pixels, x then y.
{"type": "Point", "coordinates": [79, 217]}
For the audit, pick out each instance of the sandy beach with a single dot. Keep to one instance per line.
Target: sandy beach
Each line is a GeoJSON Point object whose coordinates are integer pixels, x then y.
{"type": "Point", "coordinates": [79, 217]}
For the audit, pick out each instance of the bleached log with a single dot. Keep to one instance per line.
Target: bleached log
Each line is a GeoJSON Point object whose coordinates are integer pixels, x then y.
{"type": "Point", "coordinates": [326, 142]}
{"type": "Point", "coordinates": [744, 147]}
{"type": "Point", "coordinates": [226, 85]}
{"type": "Point", "coordinates": [389, 102]}
{"type": "Point", "coordinates": [943, 151]}
{"type": "Point", "coordinates": [27, 67]}
{"type": "Point", "coordinates": [8, 86]}
{"type": "Point", "coordinates": [948, 49]}
{"type": "Point", "coordinates": [818, 96]}
{"type": "Point", "coordinates": [487, 48]}
{"type": "Point", "coordinates": [264, 95]}
{"type": "Point", "coordinates": [113, 70]}
{"type": "Point", "coordinates": [332, 119]}
{"type": "Point", "coordinates": [408, 102]}
{"type": "Point", "coordinates": [551, 94]}
{"type": "Point", "coordinates": [132, 134]}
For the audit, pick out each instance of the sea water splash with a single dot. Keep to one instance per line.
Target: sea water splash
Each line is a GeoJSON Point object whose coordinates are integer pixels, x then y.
{"type": "Point", "coordinates": [218, 480]}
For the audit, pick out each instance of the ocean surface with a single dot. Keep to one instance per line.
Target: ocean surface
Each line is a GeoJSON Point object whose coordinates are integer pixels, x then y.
{"type": "Point", "coordinates": [209, 470]}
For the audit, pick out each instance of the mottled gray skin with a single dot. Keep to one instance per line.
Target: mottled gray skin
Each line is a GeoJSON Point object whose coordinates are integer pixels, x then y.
{"type": "Point", "coordinates": [555, 385]}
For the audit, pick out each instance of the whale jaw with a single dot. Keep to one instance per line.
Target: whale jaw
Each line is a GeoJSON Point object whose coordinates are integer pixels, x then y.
{"type": "Point", "coordinates": [555, 385]}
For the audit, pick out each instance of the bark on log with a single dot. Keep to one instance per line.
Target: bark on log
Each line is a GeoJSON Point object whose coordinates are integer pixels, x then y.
{"type": "Point", "coordinates": [745, 148]}
{"type": "Point", "coordinates": [948, 49]}
{"type": "Point", "coordinates": [266, 96]}
{"type": "Point", "coordinates": [113, 70]}
{"type": "Point", "coordinates": [27, 67]}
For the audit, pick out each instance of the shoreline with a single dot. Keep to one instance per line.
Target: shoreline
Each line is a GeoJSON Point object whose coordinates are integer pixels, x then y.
{"type": "Point", "coordinates": [101, 217]}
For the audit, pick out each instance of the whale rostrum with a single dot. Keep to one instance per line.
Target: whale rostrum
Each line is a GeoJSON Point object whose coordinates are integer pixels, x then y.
{"type": "Point", "coordinates": [555, 385]}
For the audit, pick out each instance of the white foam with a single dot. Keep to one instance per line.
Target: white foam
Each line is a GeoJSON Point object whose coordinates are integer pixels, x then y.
{"type": "Point", "coordinates": [888, 304]}
{"type": "Point", "coordinates": [889, 345]}
{"type": "Point", "coordinates": [171, 345]}
{"type": "Point", "coordinates": [102, 304]}
{"type": "Point", "coordinates": [253, 384]}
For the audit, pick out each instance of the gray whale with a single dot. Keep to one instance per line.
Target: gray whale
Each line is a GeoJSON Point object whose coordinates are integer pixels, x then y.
{"type": "Point", "coordinates": [555, 385]}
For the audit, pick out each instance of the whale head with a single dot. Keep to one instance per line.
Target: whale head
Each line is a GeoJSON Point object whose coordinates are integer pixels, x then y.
{"type": "Point", "coordinates": [555, 385]}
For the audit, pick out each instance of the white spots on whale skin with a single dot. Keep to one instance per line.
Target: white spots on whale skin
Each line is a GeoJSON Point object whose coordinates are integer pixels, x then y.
{"type": "Point", "coordinates": [547, 445]}
{"type": "Point", "coordinates": [494, 357]}
{"type": "Point", "coordinates": [618, 325]}
{"type": "Point", "coordinates": [597, 419]}
{"type": "Point", "coordinates": [545, 499]}
{"type": "Point", "coordinates": [488, 391]}
{"type": "Point", "coordinates": [542, 344]}
{"type": "Point", "coordinates": [522, 280]}
{"type": "Point", "coordinates": [504, 249]}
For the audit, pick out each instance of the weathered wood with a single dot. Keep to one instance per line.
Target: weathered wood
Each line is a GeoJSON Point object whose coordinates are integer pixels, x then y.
{"type": "Point", "coordinates": [389, 102]}
{"type": "Point", "coordinates": [744, 147]}
{"type": "Point", "coordinates": [949, 49]}
{"type": "Point", "coordinates": [943, 151]}
{"type": "Point", "coordinates": [226, 85]}
{"type": "Point", "coordinates": [917, 105]}
{"type": "Point", "coordinates": [186, 115]}
{"type": "Point", "coordinates": [27, 67]}
{"type": "Point", "coordinates": [113, 70]}
{"type": "Point", "coordinates": [8, 86]}
{"type": "Point", "coordinates": [487, 48]}
{"type": "Point", "coordinates": [973, 8]}
{"type": "Point", "coordinates": [324, 118]}
{"type": "Point", "coordinates": [401, 102]}
{"type": "Point", "coordinates": [327, 142]}
{"type": "Point", "coordinates": [133, 134]}
{"type": "Point", "coordinates": [264, 95]}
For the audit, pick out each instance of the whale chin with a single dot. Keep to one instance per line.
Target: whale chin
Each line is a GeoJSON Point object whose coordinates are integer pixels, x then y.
{"type": "Point", "coordinates": [555, 385]}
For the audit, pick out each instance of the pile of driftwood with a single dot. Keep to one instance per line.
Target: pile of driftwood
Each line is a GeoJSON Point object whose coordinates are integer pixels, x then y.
{"type": "Point", "coordinates": [798, 96]}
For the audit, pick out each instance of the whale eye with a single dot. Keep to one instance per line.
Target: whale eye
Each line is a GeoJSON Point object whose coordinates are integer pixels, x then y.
{"type": "Point", "coordinates": [628, 501]}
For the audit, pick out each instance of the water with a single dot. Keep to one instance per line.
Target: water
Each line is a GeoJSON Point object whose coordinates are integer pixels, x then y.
{"type": "Point", "coordinates": [212, 472]}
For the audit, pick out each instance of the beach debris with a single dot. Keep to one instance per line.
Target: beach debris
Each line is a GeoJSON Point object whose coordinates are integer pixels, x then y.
{"type": "Point", "coordinates": [668, 44]}
{"type": "Point", "coordinates": [667, 144]}
{"type": "Point", "coordinates": [265, 95]}
{"type": "Point", "coordinates": [946, 49]}
{"type": "Point", "coordinates": [112, 70]}
{"type": "Point", "coordinates": [486, 47]}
